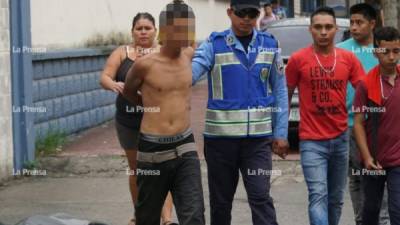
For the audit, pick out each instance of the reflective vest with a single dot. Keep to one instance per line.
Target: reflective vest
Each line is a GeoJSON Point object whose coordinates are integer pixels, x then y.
{"type": "Point", "coordinates": [238, 103]}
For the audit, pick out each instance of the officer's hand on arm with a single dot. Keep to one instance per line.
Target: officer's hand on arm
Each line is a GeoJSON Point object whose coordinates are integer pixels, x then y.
{"type": "Point", "coordinates": [202, 61]}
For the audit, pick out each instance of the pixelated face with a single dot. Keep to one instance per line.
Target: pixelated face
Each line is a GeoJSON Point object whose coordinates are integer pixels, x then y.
{"type": "Point", "coordinates": [177, 26]}
{"type": "Point", "coordinates": [360, 27]}
{"type": "Point", "coordinates": [388, 53]}
{"type": "Point", "coordinates": [323, 29]}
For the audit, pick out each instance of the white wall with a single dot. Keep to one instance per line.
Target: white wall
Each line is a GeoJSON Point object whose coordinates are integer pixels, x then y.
{"type": "Point", "coordinates": [6, 146]}
{"type": "Point", "coordinates": [63, 24]}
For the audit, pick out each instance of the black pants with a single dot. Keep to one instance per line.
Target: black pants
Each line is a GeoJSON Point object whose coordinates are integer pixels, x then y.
{"type": "Point", "coordinates": [252, 157]}
{"type": "Point", "coordinates": [181, 176]}
{"type": "Point", "coordinates": [373, 192]}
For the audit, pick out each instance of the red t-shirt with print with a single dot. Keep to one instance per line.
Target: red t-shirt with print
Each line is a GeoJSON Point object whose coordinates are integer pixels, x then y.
{"type": "Point", "coordinates": [322, 92]}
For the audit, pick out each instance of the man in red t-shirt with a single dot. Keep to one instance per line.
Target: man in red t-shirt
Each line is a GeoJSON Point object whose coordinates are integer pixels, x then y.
{"type": "Point", "coordinates": [378, 96]}
{"type": "Point", "coordinates": [321, 73]}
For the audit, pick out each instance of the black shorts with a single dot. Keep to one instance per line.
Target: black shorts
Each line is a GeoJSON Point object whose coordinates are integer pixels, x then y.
{"type": "Point", "coordinates": [128, 137]}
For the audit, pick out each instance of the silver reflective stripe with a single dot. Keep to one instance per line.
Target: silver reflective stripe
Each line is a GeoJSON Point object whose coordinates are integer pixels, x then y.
{"type": "Point", "coordinates": [216, 74]}
{"type": "Point", "coordinates": [265, 57]}
{"type": "Point", "coordinates": [239, 129]}
{"type": "Point", "coordinates": [235, 116]}
{"type": "Point", "coordinates": [223, 116]}
{"type": "Point", "coordinates": [216, 83]}
{"type": "Point", "coordinates": [260, 114]}
{"type": "Point", "coordinates": [238, 122]}
{"type": "Point", "coordinates": [226, 59]}
{"type": "Point", "coordinates": [260, 127]}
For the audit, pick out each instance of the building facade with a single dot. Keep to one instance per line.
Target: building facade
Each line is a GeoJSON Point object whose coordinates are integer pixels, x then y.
{"type": "Point", "coordinates": [6, 140]}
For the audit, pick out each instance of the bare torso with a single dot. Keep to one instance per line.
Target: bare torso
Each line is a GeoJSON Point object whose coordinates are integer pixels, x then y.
{"type": "Point", "coordinates": [166, 92]}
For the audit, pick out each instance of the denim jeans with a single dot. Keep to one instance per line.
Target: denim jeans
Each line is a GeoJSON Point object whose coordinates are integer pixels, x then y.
{"type": "Point", "coordinates": [325, 165]}
{"type": "Point", "coordinates": [373, 187]}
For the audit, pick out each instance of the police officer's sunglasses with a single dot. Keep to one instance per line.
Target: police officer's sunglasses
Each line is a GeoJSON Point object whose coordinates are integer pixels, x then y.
{"type": "Point", "coordinates": [250, 12]}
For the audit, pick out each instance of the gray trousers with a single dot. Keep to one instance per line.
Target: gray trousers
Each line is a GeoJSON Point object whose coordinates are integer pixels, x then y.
{"type": "Point", "coordinates": [355, 187]}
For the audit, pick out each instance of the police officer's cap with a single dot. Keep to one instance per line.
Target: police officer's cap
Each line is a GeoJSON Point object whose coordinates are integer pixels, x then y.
{"type": "Point", "coordinates": [245, 4]}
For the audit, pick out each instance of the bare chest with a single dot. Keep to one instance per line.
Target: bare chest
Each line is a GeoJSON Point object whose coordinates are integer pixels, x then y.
{"type": "Point", "coordinates": [169, 77]}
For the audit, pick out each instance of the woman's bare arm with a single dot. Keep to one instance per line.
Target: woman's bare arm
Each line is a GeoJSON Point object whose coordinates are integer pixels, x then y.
{"type": "Point", "coordinates": [108, 76]}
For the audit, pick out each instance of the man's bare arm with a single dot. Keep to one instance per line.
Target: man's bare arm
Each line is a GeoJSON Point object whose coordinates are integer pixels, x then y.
{"type": "Point", "coordinates": [361, 139]}
{"type": "Point", "coordinates": [133, 82]}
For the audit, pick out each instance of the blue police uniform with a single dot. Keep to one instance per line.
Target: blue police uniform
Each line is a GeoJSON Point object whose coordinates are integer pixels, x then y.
{"type": "Point", "coordinates": [247, 108]}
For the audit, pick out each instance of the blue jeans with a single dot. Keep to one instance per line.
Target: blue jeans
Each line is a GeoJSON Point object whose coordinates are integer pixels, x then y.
{"type": "Point", "coordinates": [325, 165]}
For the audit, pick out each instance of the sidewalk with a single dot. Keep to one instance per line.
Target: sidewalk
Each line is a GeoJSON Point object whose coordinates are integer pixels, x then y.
{"type": "Point", "coordinates": [89, 180]}
{"type": "Point", "coordinates": [96, 188]}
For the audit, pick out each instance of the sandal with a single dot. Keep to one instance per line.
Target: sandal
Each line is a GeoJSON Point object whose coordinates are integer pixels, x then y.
{"type": "Point", "coordinates": [132, 222]}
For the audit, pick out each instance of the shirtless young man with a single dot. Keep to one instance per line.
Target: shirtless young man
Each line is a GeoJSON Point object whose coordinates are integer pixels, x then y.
{"type": "Point", "coordinates": [167, 157]}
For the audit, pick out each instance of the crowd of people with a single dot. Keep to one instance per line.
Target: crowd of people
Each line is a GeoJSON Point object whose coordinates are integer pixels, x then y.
{"type": "Point", "coordinates": [272, 11]}
{"type": "Point", "coordinates": [348, 93]}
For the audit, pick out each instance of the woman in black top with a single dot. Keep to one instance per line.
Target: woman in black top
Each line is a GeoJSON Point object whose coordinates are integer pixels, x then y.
{"type": "Point", "coordinates": [129, 116]}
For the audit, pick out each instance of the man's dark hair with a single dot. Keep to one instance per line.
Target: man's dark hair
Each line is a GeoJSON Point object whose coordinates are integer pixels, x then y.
{"type": "Point", "coordinates": [364, 9]}
{"type": "Point", "coordinates": [267, 5]}
{"type": "Point", "coordinates": [385, 34]}
{"type": "Point", "coordinates": [175, 10]}
{"type": "Point", "coordinates": [323, 11]}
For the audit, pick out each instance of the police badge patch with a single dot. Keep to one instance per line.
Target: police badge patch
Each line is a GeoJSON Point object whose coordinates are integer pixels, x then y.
{"type": "Point", "coordinates": [230, 40]}
{"type": "Point", "coordinates": [264, 74]}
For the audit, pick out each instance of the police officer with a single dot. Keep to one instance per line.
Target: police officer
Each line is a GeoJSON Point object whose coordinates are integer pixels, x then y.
{"type": "Point", "coordinates": [247, 112]}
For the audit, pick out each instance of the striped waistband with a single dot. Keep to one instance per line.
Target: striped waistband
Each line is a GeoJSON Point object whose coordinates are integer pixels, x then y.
{"type": "Point", "coordinates": [163, 139]}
